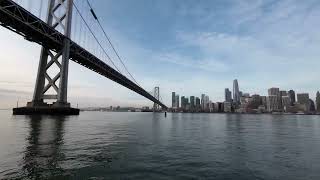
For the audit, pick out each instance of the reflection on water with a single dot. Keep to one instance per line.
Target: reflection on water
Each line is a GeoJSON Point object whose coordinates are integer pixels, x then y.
{"type": "Point", "coordinates": [100, 145]}
{"type": "Point", "coordinates": [43, 151]}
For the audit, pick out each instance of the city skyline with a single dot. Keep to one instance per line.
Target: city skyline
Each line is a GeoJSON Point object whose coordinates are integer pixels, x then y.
{"type": "Point", "coordinates": [200, 49]}
{"type": "Point", "coordinates": [276, 101]}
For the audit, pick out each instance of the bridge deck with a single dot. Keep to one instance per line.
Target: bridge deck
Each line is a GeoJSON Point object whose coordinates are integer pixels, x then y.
{"type": "Point", "coordinates": [21, 21]}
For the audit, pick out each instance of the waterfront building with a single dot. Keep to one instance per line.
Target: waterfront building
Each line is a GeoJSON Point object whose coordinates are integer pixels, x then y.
{"type": "Point", "coordinates": [285, 102]}
{"type": "Point", "coordinates": [227, 106]}
{"type": "Point", "coordinates": [264, 101]}
{"type": "Point", "coordinates": [242, 100]}
{"type": "Point", "coordinates": [256, 101]}
{"type": "Point", "coordinates": [245, 95]}
{"type": "Point", "coordinates": [192, 102]}
{"type": "Point", "coordinates": [236, 95]}
{"type": "Point", "coordinates": [240, 93]}
{"type": "Point", "coordinates": [262, 109]}
{"type": "Point", "coordinates": [272, 103]}
{"type": "Point", "coordinates": [173, 99]}
{"type": "Point", "coordinates": [211, 106]}
{"type": "Point", "coordinates": [177, 101]}
{"type": "Point", "coordinates": [283, 93]}
{"type": "Point", "coordinates": [318, 101]}
{"type": "Point", "coordinates": [198, 103]}
{"type": "Point", "coordinates": [206, 103]}
{"type": "Point", "coordinates": [220, 106]}
{"type": "Point", "coordinates": [303, 98]}
{"type": "Point", "coordinates": [296, 108]}
{"type": "Point", "coordinates": [227, 95]}
{"type": "Point", "coordinates": [312, 107]}
{"type": "Point", "coordinates": [183, 103]}
{"type": "Point", "coordinates": [202, 101]}
{"type": "Point", "coordinates": [292, 96]}
{"type": "Point", "coordinates": [275, 92]}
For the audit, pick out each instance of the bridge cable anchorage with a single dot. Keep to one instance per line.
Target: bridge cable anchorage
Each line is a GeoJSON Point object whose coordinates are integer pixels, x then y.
{"type": "Point", "coordinates": [95, 37]}
{"type": "Point", "coordinates": [108, 38]}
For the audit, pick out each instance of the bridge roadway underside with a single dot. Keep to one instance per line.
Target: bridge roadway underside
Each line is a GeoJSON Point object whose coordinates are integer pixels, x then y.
{"type": "Point", "coordinates": [22, 22]}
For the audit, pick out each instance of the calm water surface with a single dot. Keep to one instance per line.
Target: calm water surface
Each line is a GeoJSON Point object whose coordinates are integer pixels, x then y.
{"type": "Point", "coordinates": [104, 145]}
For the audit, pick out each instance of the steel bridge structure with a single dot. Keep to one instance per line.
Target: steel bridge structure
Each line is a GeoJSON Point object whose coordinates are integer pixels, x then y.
{"type": "Point", "coordinates": [56, 44]}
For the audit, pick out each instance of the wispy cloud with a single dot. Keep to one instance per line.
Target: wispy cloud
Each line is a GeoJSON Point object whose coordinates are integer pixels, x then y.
{"type": "Point", "coordinates": [210, 65]}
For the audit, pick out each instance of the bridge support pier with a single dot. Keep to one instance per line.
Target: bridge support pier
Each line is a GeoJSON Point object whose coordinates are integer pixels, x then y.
{"type": "Point", "coordinates": [58, 58]}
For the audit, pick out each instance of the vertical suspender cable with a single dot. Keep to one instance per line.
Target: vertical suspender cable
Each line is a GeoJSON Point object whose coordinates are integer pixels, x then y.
{"type": "Point", "coordinates": [105, 34]}
{"type": "Point", "coordinates": [96, 39]}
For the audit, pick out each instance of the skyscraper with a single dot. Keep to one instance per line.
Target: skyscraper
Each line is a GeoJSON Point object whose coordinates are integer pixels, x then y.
{"type": "Point", "coordinates": [272, 103]}
{"type": "Point", "coordinates": [177, 101]}
{"type": "Point", "coordinates": [183, 102]}
{"type": "Point", "coordinates": [292, 96]}
{"type": "Point", "coordinates": [198, 103]}
{"type": "Point", "coordinates": [312, 107]}
{"type": "Point", "coordinates": [283, 93]}
{"type": "Point", "coordinates": [303, 98]}
{"type": "Point", "coordinates": [264, 101]}
{"type": "Point", "coordinates": [202, 101]}
{"type": "Point", "coordinates": [173, 99]}
{"type": "Point", "coordinates": [275, 92]}
{"type": "Point", "coordinates": [206, 102]}
{"type": "Point", "coordinates": [285, 102]}
{"type": "Point", "coordinates": [236, 95]}
{"type": "Point", "coordinates": [318, 101]}
{"type": "Point", "coordinates": [192, 102]}
{"type": "Point", "coordinates": [227, 95]}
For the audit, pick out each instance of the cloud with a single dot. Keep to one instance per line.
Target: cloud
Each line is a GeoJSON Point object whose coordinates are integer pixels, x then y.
{"type": "Point", "coordinates": [210, 65]}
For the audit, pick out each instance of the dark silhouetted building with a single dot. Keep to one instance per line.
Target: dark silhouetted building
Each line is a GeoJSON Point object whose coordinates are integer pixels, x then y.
{"type": "Point", "coordinates": [192, 102]}
{"type": "Point", "coordinates": [318, 101]}
{"type": "Point", "coordinates": [227, 95]}
{"type": "Point", "coordinates": [292, 96]}
{"type": "Point", "coordinates": [198, 106]}
{"type": "Point", "coordinates": [173, 99]}
{"type": "Point", "coordinates": [312, 107]}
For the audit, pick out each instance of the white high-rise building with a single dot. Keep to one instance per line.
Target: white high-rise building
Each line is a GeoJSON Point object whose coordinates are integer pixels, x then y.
{"type": "Point", "coordinates": [236, 94]}
{"type": "Point", "coordinates": [275, 92]}
{"type": "Point", "coordinates": [272, 103]}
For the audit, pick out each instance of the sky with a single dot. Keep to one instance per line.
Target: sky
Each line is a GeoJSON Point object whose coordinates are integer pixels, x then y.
{"type": "Point", "coordinates": [190, 47]}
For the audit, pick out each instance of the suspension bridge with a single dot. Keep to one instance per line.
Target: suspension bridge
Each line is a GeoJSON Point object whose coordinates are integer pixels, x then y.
{"type": "Point", "coordinates": [66, 30]}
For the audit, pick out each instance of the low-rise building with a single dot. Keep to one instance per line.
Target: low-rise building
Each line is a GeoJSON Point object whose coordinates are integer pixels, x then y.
{"type": "Point", "coordinates": [227, 107]}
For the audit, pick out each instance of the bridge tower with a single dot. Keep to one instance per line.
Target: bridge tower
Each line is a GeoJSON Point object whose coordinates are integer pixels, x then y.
{"type": "Point", "coordinates": [59, 17]}
{"type": "Point", "coordinates": [156, 94]}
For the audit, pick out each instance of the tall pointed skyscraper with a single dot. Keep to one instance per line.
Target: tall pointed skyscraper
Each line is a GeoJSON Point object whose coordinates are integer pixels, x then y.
{"type": "Point", "coordinates": [236, 95]}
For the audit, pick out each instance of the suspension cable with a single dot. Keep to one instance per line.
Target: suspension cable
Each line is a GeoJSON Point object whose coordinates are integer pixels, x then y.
{"type": "Point", "coordinates": [96, 38]}
{"type": "Point", "coordinates": [107, 37]}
